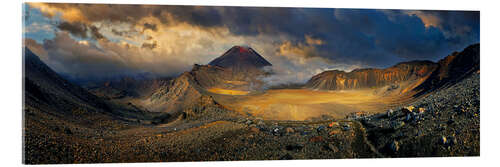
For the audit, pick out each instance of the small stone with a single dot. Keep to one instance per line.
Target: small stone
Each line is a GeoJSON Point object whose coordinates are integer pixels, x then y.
{"type": "Point", "coordinates": [346, 127]}
{"type": "Point", "coordinates": [292, 147]}
{"type": "Point", "coordinates": [452, 140]}
{"type": "Point", "coordinates": [332, 124]}
{"type": "Point", "coordinates": [331, 147]}
{"type": "Point", "coordinates": [316, 139]}
{"type": "Point", "coordinates": [408, 109]}
{"type": "Point", "coordinates": [408, 117]}
{"type": "Point", "coordinates": [442, 127]}
{"type": "Point", "coordinates": [262, 128]}
{"type": "Point", "coordinates": [254, 129]}
{"type": "Point", "coordinates": [241, 120]}
{"type": "Point", "coordinates": [286, 157]}
{"type": "Point", "coordinates": [443, 140]}
{"type": "Point", "coordinates": [331, 133]}
{"type": "Point", "coordinates": [397, 124]}
{"type": "Point", "coordinates": [276, 131]}
{"type": "Point", "coordinates": [420, 133]}
{"type": "Point", "coordinates": [421, 110]}
{"type": "Point", "coordinates": [394, 146]}
{"type": "Point", "coordinates": [68, 131]}
{"type": "Point", "coordinates": [289, 130]}
{"type": "Point", "coordinates": [390, 112]}
{"type": "Point", "coordinates": [320, 128]}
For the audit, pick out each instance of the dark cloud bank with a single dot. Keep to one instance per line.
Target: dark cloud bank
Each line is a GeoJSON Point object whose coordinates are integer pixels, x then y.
{"type": "Point", "coordinates": [372, 38]}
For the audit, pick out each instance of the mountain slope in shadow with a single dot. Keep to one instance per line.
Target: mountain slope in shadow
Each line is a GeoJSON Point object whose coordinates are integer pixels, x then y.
{"type": "Point", "coordinates": [59, 115]}
{"type": "Point", "coordinates": [48, 91]}
{"type": "Point", "coordinates": [452, 69]}
{"type": "Point", "coordinates": [422, 76]}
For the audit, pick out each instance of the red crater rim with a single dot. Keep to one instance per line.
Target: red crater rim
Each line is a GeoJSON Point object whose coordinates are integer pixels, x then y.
{"type": "Point", "coordinates": [242, 49]}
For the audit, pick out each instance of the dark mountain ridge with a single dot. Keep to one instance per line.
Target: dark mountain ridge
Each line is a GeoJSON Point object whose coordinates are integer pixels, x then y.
{"type": "Point", "coordinates": [424, 75]}
{"type": "Point", "coordinates": [44, 87]}
{"type": "Point", "coordinates": [239, 57]}
{"type": "Point", "coordinates": [372, 77]}
{"type": "Point", "coordinates": [452, 69]}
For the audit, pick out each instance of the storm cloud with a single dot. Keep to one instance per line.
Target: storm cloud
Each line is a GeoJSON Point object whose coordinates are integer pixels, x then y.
{"type": "Point", "coordinates": [299, 42]}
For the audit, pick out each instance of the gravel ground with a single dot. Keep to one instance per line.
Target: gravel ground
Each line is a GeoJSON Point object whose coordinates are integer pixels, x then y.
{"type": "Point", "coordinates": [448, 125]}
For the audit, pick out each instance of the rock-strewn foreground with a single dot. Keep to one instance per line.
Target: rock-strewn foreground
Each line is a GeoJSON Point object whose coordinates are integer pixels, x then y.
{"type": "Point", "coordinates": [65, 124]}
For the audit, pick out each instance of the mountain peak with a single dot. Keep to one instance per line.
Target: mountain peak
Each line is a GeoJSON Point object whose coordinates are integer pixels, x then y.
{"type": "Point", "coordinates": [242, 49]}
{"type": "Point", "coordinates": [240, 57]}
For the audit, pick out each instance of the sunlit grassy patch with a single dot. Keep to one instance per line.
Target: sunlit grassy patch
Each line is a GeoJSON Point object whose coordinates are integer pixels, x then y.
{"type": "Point", "coordinates": [227, 91]}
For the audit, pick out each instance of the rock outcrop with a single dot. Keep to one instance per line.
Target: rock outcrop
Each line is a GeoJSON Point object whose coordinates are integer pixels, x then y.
{"type": "Point", "coordinates": [420, 76]}
{"type": "Point", "coordinates": [368, 78]}
{"type": "Point", "coordinates": [182, 96]}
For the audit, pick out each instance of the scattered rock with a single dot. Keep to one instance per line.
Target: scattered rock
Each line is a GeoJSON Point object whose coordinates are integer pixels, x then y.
{"type": "Point", "coordinates": [320, 128]}
{"type": "Point", "coordinates": [452, 140]}
{"type": "Point", "coordinates": [394, 146]}
{"type": "Point", "coordinates": [392, 87]}
{"type": "Point", "coordinates": [254, 129]}
{"type": "Point", "coordinates": [286, 157]}
{"type": "Point", "coordinates": [316, 139]}
{"type": "Point", "coordinates": [419, 133]}
{"type": "Point", "coordinates": [331, 147]}
{"type": "Point", "coordinates": [56, 128]}
{"type": "Point", "coordinates": [289, 130]}
{"type": "Point", "coordinates": [68, 131]}
{"type": "Point", "coordinates": [390, 112]}
{"type": "Point", "coordinates": [333, 132]}
{"type": "Point", "coordinates": [450, 121]}
{"type": "Point", "coordinates": [408, 117]}
{"type": "Point", "coordinates": [276, 131]}
{"type": "Point", "coordinates": [421, 110]}
{"type": "Point", "coordinates": [408, 109]}
{"type": "Point", "coordinates": [332, 124]}
{"type": "Point", "coordinates": [442, 127]}
{"type": "Point", "coordinates": [262, 128]}
{"type": "Point", "coordinates": [240, 120]}
{"type": "Point", "coordinates": [346, 127]}
{"type": "Point", "coordinates": [443, 140]}
{"type": "Point", "coordinates": [397, 124]}
{"type": "Point", "coordinates": [292, 147]}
